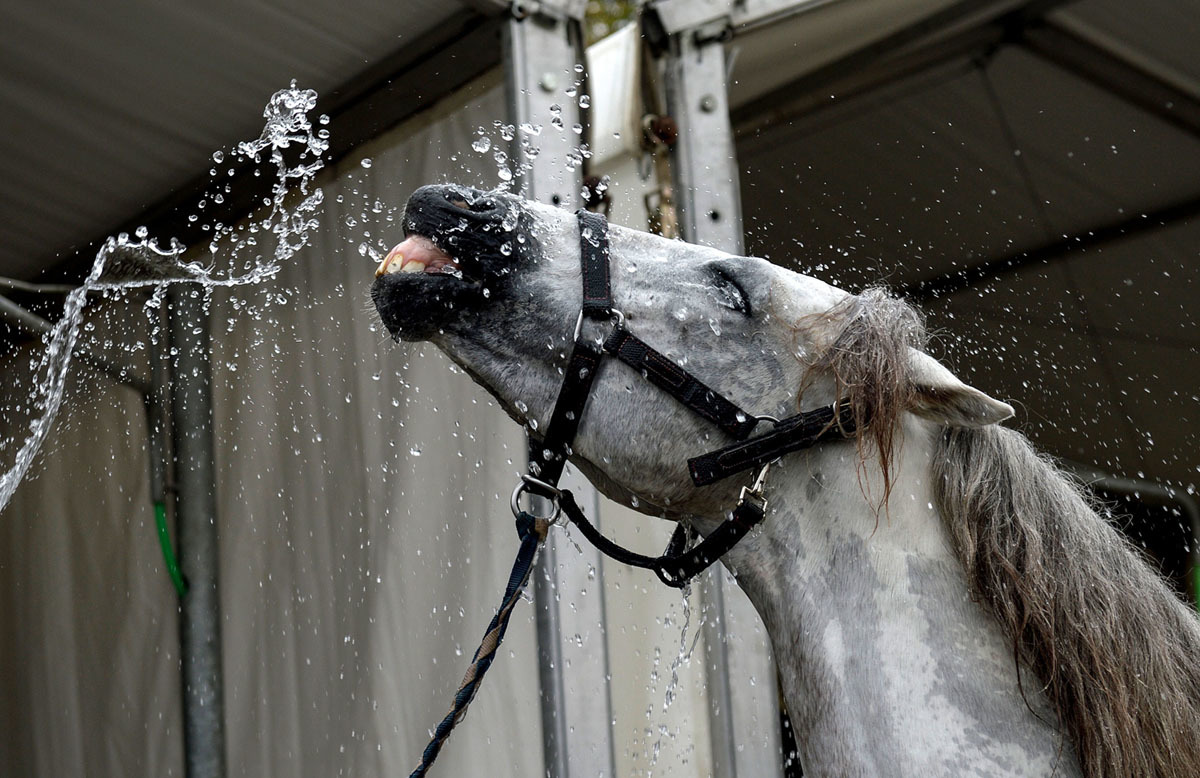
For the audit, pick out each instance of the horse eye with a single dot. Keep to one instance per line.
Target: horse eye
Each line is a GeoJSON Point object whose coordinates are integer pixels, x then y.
{"type": "Point", "coordinates": [729, 293]}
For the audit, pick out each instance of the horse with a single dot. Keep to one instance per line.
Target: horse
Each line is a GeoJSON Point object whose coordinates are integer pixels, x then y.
{"type": "Point", "coordinates": [941, 599]}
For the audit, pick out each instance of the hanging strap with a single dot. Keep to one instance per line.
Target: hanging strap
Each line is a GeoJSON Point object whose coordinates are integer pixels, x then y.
{"type": "Point", "coordinates": [674, 568]}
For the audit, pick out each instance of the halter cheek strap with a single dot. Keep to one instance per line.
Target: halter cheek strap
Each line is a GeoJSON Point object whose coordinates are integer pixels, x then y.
{"type": "Point", "coordinates": [548, 455]}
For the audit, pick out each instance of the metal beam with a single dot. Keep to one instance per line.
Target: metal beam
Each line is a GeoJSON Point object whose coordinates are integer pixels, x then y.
{"type": "Point", "coordinates": [992, 269]}
{"type": "Point", "coordinates": [1117, 69]}
{"type": "Point", "coordinates": [708, 194]}
{"type": "Point", "coordinates": [787, 109]}
{"type": "Point", "coordinates": [979, 23]}
{"type": "Point", "coordinates": [196, 518]}
{"type": "Point", "coordinates": [542, 49]}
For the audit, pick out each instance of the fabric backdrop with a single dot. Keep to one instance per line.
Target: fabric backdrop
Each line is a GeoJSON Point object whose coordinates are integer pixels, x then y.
{"type": "Point", "coordinates": [364, 535]}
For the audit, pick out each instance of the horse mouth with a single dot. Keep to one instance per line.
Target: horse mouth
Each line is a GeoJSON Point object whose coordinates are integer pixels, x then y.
{"type": "Point", "coordinates": [450, 260]}
{"type": "Point", "coordinates": [418, 254]}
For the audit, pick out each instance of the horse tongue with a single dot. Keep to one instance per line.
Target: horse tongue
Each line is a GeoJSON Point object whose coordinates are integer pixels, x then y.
{"type": "Point", "coordinates": [412, 255]}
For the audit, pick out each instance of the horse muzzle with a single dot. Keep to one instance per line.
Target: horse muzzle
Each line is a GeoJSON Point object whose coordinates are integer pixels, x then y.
{"type": "Point", "coordinates": [460, 247]}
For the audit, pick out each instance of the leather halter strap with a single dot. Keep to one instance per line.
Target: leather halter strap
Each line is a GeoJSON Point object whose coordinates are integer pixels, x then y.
{"type": "Point", "coordinates": [804, 430]}
{"type": "Point", "coordinates": [678, 383]}
{"type": "Point", "coordinates": [548, 455]}
{"type": "Point", "coordinates": [593, 252]}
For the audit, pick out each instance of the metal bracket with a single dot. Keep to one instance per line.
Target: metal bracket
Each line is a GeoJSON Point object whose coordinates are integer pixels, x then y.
{"type": "Point", "coordinates": [678, 16]}
{"type": "Point", "coordinates": [558, 10]}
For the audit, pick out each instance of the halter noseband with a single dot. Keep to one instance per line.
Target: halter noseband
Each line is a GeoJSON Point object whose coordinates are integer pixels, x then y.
{"type": "Point", "coordinates": [548, 455]}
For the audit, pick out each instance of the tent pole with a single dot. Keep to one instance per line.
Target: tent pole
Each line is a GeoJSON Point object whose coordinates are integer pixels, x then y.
{"type": "Point", "coordinates": [195, 512]}
{"type": "Point", "coordinates": [542, 47]}
{"type": "Point", "coordinates": [707, 192]}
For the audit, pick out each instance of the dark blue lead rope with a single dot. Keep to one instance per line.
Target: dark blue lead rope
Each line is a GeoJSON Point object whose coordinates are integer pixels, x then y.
{"type": "Point", "coordinates": [532, 532]}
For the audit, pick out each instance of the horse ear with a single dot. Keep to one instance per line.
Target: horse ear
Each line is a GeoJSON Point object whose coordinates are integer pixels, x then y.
{"type": "Point", "coordinates": [941, 397]}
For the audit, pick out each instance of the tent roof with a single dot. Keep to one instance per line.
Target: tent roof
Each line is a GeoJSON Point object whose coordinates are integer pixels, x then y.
{"type": "Point", "coordinates": [111, 107]}
{"type": "Point", "coordinates": [1042, 205]}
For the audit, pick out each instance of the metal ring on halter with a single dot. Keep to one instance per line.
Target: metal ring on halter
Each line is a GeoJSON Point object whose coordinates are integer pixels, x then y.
{"type": "Point", "coordinates": [526, 483]}
{"type": "Point", "coordinates": [620, 317]}
{"type": "Point", "coordinates": [765, 417]}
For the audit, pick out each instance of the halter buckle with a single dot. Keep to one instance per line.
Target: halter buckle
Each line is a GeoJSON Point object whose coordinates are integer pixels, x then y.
{"type": "Point", "coordinates": [540, 488]}
{"type": "Point", "coordinates": [616, 314]}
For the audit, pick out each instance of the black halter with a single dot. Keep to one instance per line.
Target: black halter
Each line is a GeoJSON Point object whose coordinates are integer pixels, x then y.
{"type": "Point", "coordinates": [548, 455]}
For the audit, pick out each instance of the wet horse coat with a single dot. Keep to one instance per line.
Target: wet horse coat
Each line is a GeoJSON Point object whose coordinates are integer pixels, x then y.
{"type": "Point", "coordinates": [902, 648]}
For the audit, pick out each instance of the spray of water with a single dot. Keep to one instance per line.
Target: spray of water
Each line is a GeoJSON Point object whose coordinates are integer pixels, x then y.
{"type": "Point", "coordinates": [683, 656]}
{"type": "Point", "coordinates": [123, 262]}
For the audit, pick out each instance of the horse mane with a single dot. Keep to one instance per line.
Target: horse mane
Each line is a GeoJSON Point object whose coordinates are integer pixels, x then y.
{"type": "Point", "coordinates": [1117, 654]}
{"type": "Point", "coordinates": [866, 352]}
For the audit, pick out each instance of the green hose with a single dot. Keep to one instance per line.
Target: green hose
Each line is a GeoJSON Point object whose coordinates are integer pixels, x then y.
{"type": "Point", "coordinates": [164, 539]}
{"type": "Point", "coordinates": [1196, 582]}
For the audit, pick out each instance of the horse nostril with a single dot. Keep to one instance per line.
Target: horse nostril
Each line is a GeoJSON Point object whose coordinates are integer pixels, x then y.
{"type": "Point", "coordinates": [470, 203]}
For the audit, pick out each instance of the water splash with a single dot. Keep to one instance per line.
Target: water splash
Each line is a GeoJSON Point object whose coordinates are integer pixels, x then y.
{"type": "Point", "coordinates": [123, 262]}
{"type": "Point", "coordinates": [682, 657]}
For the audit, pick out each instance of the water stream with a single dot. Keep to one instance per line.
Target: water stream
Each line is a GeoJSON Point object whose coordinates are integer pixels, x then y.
{"type": "Point", "coordinates": [124, 262]}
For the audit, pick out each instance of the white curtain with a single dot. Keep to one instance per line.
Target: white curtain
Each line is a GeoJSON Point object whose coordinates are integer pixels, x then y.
{"type": "Point", "coordinates": [364, 538]}
{"type": "Point", "coordinates": [364, 535]}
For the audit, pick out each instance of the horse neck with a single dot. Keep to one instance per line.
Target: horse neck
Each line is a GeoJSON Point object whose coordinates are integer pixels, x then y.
{"type": "Point", "coordinates": [887, 665]}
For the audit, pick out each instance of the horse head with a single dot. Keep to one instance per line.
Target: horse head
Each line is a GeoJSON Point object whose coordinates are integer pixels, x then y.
{"type": "Point", "coordinates": [883, 656]}
{"type": "Point", "coordinates": [495, 282]}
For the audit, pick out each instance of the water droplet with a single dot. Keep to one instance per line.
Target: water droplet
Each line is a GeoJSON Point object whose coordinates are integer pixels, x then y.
{"type": "Point", "coordinates": [366, 162]}
{"type": "Point", "coordinates": [481, 144]}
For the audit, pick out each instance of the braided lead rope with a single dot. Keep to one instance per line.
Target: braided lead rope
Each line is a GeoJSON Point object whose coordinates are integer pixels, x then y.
{"type": "Point", "coordinates": [532, 532]}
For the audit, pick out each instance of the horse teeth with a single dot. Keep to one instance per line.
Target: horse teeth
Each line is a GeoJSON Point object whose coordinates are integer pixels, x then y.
{"type": "Point", "coordinates": [415, 254]}
{"type": "Point", "coordinates": [391, 263]}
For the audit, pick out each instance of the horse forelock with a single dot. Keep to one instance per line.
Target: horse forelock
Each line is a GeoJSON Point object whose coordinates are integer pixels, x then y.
{"type": "Point", "coordinates": [863, 343]}
{"type": "Point", "coordinates": [1118, 655]}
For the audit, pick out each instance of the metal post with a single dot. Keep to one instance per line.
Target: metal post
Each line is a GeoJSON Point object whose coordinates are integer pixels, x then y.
{"type": "Point", "coordinates": [196, 518]}
{"type": "Point", "coordinates": [543, 45]}
{"type": "Point", "coordinates": [744, 719]}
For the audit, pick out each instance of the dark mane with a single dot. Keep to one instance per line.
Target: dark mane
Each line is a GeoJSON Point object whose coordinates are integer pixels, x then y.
{"type": "Point", "coordinates": [1117, 654]}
